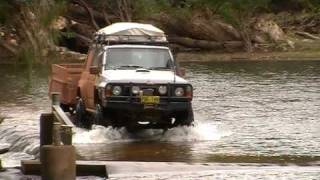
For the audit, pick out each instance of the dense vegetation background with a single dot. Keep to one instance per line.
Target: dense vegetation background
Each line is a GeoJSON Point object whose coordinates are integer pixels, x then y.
{"type": "Point", "coordinates": [31, 30]}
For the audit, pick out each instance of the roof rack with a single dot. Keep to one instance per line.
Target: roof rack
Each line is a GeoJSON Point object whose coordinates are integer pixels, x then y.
{"type": "Point", "coordinates": [130, 39]}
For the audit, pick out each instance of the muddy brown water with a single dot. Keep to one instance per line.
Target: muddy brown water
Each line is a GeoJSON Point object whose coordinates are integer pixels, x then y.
{"type": "Point", "coordinates": [256, 113]}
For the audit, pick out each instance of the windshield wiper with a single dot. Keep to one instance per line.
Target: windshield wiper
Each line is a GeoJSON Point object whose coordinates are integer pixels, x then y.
{"type": "Point", "coordinates": [129, 66]}
{"type": "Point", "coordinates": [159, 68]}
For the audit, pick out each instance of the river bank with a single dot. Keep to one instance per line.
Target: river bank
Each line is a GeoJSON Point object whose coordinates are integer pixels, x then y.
{"type": "Point", "coordinates": [208, 56]}
{"type": "Point", "coordinates": [243, 56]}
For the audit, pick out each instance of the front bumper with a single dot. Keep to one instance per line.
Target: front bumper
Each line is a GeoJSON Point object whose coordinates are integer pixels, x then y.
{"type": "Point", "coordinates": [130, 112]}
{"type": "Point", "coordinates": [167, 104]}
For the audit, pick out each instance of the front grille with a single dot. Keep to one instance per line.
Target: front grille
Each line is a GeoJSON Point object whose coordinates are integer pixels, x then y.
{"type": "Point", "coordinates": [149, 90]}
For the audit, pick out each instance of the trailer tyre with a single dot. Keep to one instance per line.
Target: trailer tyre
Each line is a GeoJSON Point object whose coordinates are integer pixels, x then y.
{"type": "Point", "coordinates": [81, 114]}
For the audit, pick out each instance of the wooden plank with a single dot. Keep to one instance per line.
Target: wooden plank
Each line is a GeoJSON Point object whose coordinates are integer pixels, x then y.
{"type": "Point", "coordinates": [59, 113]}
{"type": "Point", "coordinates": [92, 170]}
{"type": "Point", "coordinates": [33, 167]}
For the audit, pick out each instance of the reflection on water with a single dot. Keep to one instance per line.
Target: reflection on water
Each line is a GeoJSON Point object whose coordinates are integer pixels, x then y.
{"type": "Point", "coordinates": [176, 144]}
{"type": "Point", "coordinates": [246, 112]}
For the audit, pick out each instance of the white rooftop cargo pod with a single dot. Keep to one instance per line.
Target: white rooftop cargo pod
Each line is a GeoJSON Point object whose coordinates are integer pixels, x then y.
{"type": "Point", "coordinates": [126, 32]}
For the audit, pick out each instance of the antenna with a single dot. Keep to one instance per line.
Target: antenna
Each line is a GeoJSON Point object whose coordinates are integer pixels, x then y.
{"type": "Point", "coordinates": [174, 74]}
{"type": "Point", "coordinates": [173, 67]}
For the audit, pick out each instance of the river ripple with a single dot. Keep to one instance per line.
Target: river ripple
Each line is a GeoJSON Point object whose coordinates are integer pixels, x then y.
{"type": "Point", "coordinates": [246, 112]}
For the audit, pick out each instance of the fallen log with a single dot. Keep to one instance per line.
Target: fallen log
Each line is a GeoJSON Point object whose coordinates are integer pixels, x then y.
{"type": "Point", "coordinates": [307, 35]}
{"type": "Point", "coordinates": [199, 28]}
{"type": "Point", "coordinates": [204, 44]}
{"type": "Point", "coordinates": [8, 47]}
{"type": "Point", "coordinates": [78, 12]}
{"type": "Point", "coordinates": [90, 13]}
{"type": "Point", "coordinates": [82, 29]}
{"type": "Point", "coordinates": [33, 167]}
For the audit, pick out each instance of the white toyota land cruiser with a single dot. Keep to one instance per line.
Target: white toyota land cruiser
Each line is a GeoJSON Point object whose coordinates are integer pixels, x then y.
{"type": "Point", "coordinates": [137, 82]}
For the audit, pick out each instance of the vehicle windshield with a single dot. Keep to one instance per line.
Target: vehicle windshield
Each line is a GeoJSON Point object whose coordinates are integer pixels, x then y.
{"type": "Point", "coordinates": [133, 58]}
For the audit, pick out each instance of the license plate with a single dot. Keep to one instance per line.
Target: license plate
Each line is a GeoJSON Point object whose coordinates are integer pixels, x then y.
{"type": "Point", "coordinates": [150, 99]}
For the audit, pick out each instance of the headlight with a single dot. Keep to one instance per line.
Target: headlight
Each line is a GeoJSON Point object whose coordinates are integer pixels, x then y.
{"type": "Point", "coordinates": [116, 90]}
{"type": "Point", "coordinates": [135, 89]}
{"type": "Point", "coordinates": [108, 90]}
{"type": "Point", "coordinates": [179, 91]}
{"type": "Point", "coordinates": [189, 92]}
{"type": "Point", "coordinates": [163, 90]}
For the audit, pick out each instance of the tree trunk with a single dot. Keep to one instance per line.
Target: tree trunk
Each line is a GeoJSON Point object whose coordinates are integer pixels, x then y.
{"type": "Point", "coordinates": [90, 13]}
{"type": "Point", "coordinates": [247, 41]}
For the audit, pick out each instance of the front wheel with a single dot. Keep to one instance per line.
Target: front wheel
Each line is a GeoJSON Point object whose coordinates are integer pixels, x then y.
{"type": "Point", "coordinates": [185, 118]}
{"type": "Point", "coordinates": [101, 117]}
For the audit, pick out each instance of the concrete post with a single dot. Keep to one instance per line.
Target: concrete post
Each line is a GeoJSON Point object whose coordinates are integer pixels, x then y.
{"type": "Point", "coordinates": [55, 97]}
{"type": "Point", "coordinates": [58, 162]}
{"type": "Point", "coordinates": [46, 129]}
{"type": "Point", "coordinates": [66, 134]}
{"type": "Point", "coordinates": [56, 134]}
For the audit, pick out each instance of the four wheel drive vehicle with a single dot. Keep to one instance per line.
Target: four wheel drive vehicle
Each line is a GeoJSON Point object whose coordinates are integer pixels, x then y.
{"type": "Point", "coordinates": [130, 79]}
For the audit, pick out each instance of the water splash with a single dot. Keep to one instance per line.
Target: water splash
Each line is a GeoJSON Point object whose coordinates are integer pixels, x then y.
{"type": "Point", "coordinates": [198, 132]}
{"type": "Point", "coordinates": [99, 134]}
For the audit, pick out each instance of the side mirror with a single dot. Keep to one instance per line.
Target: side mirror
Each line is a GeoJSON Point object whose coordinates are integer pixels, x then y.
{"type": "Point", "coordinates": [94, 70]}
{"type": "Point", "coordinates": [181, 72]}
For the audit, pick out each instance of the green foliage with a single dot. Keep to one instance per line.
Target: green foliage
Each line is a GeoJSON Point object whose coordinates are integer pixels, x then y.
{"type": "Point", "coordinates": [231, 10]}
{"type": "Point", "coordinates": [213, 5]}
{"type": "Point", "coordinates": [238, 12]}
{"type": "Point", "coordinates": [143, 8]}
{"type": "Point", "coordinates": [315, 5]}
{"type": "Point", "coordinates": [48, 15]}
{"type": "Point", "coordinates": [5, 8]}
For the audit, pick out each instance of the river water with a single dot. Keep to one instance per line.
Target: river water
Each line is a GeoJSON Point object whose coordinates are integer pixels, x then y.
{"type": "Point", "coordinates": [253, 114]}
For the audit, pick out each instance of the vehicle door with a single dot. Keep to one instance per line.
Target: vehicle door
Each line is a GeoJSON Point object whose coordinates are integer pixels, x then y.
{"type": "Point", "coordinates": [84, 76]}
{"type": "Point", "coordinates": [89, 80]}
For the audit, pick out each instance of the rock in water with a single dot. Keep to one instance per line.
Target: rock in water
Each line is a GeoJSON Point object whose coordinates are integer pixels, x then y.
{"type": "Point", "coordinates": [1, 168]}
{"type": "Point", "coordinates": [4, 148]}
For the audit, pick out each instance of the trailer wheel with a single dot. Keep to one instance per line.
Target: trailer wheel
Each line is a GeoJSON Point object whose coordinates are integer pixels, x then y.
{"type": "Point", "coordinates": [81, 118]}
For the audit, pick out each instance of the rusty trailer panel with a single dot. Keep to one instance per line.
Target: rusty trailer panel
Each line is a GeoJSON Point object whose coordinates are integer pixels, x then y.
{"type": "Point", "coordinates": [64, 79]}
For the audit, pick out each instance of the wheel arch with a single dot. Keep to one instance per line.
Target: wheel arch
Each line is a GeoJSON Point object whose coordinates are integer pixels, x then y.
{"type": "Point", "coordinates": [78, 92]}
{"type": "Point", "coordinates": [96, 99]}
